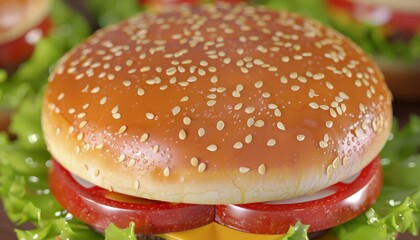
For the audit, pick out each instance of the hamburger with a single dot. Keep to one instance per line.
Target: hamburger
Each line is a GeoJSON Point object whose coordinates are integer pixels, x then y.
{"type": "Point", "coordinates": [22, 24]}
{"type": "Point", "coordinates": [21, 27]}
{"type": "Point", "coordinates": [216, 119]}
{"type": "Point", "coordinates": [394, 27]}
{"type": "Point", "coordinates": [388, 30]}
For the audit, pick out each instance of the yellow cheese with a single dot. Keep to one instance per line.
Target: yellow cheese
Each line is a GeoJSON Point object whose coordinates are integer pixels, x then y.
{"type": "Point", "coordinates": [215, 231]}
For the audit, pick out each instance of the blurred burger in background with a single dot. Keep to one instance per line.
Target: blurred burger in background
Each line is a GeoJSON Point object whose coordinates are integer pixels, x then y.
{"type": "Point", "coordinates": [394, 30]}
{"type": "Point", "coordinates": [22, 24]}
{"type": "Point", "coordinates": [388, 30]}
{"type": "Point", "coordinates": [33, 35]}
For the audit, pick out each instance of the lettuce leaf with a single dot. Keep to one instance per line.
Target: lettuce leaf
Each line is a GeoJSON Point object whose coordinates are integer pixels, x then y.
{"type": "Point", "coordinates": [112, 11]}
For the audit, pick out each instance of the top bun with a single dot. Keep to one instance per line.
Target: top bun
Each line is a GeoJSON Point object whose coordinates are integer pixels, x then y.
{"type": "Point", "coordinates": [18, 16]}
{"type": "Point", "coordinates": [216, 104]}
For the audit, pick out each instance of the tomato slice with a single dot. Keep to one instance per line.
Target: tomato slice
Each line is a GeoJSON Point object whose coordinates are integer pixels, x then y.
{"type": "Point", "coordinates": [99, 207]}
{"type": "Point", "coordinates": [16, 51]}
{"type": "Point", "coordinates": [331, 207]}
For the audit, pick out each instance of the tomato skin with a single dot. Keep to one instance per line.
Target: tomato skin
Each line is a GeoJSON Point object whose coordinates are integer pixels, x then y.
{"type": "Point", "coordinates": [15, 52]}
{"type": "Point", "coordinates": [349, 201]}
{"type": "Point", "coordinates": [91, 205]}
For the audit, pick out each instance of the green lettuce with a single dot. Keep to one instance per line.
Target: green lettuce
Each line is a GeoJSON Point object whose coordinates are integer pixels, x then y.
{"type": "Point", "coordinates": [111, 11]}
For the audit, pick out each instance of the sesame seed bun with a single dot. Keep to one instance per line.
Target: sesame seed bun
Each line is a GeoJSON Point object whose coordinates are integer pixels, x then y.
{"type": "Point", "coordinates": [216, 104]}
{"type": "Point", "coordinates": [18, 16]}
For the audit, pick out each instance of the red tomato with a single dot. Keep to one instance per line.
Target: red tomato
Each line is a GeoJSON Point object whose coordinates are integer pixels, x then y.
{"type": "Point", "coordinates": [99, 207]}
{"type": "Point", "coordinates": [13, 53]}
{"type": "Point", "coordinates": [331, 207]}
{"type": "Point", "coordinates": [344, 202]}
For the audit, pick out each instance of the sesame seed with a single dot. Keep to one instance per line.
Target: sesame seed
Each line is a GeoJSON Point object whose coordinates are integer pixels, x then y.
{"type": "Point", "coordinates": [323, 144]}
{"type": "Point", "coordinates": [220, 125]}
{"type": "Point", "coordinates": [126, 83]}
{"type": "Point", "coordinates": [150, 116]}
{"type": "Point", "coordinates": [184, 99]}
{"type": "Point", "coordinates": [262, 169]}
{"type": "Point", "coordinates": [96, 173]}
{"type": "Point", "coordinates": [295, 88]}
{"type": "Point", "coordinates": [314, 105]}
{"type": "Point", "coordinates": [155, 148]}
{"type": "Point", "coordinates": [82, 124]}
{"type": "Point", "coordinates": [271, 142]}
{"type": "Point", "coordinates": [201, 132]}
{"type": "Point", "coordinates": [236, 94]}
{"type": "Point", "coordinates": [250, 122]}
{"type": "Point", "coordinates": [248, 138]}
{"type": "Point", "coordinates": [166, 172]}
{"type": "Point", "coordinates": [336, 162]}
{"type": "Point", "coordinates": [329, 124]}
{"type": "Point", "coordinates": [121, 158]}
{"type": "Point", "coordinates": [182, 134]}
{"type": "Point", "coordinates": [144, 137]}
{"type": "Point", "coordinates": [283, 79]}
{"type": "Point", "coordinates": [238, 106]}
{"type": "Point", "coordinates": [214, 79]}
{"type": "Point", "coordinates": [244, 169]}
{"type": "Point", "coordinates": [238, 145]}
{"type": "Point", "coordinates": [329, 170]}
{"type": "Point", "coordinates": [333, 113]}
{"type": "Point", "coordinates": [211, 103]}
{"type": "Point", "coordinates": [176, 110]}
{"type": "Point", "coordinates": [318, 76]}
{"type": "Point", "coordinates": [122, 129]}
{"type": "Point", "coordinates": [249, 110]}
{"type": "Point", "coordinates": [212, 148]}
{"type": "Point", "coordinates": [116, 115]}
{"type": "Point", "coordinates": [194, 161]}
{"type": "Point", "coordinates": [258, 84]}
{"type": "Point", "coordinates": [140, 91]}
{"type": "Point", "coordinates": [186, 120]}
{"type": "Point", "coordinates": [280, 126]}
{"type": "Point", "coordinates": [80, 136]}
{"type": "Point", "coordinates": [201, 167]}
{"type": "Point", "coordinates": [259, 123]}
{"type": "Point", "coordinates": [326, 137]}
{"type": "Point", "coordinates": [300, 137]}
{"type": "Point", "coordinates": [103, 100]}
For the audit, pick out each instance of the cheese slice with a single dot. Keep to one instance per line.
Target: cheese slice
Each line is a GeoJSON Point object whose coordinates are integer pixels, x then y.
{"type": "Point", "coordinates": [215, 231]}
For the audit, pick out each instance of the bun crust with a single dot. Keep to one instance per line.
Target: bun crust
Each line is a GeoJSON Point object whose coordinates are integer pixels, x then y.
{"type": "Point", "coordinates": [216, 104]}
{"type": "Point", "coordinates": [18, 16]}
